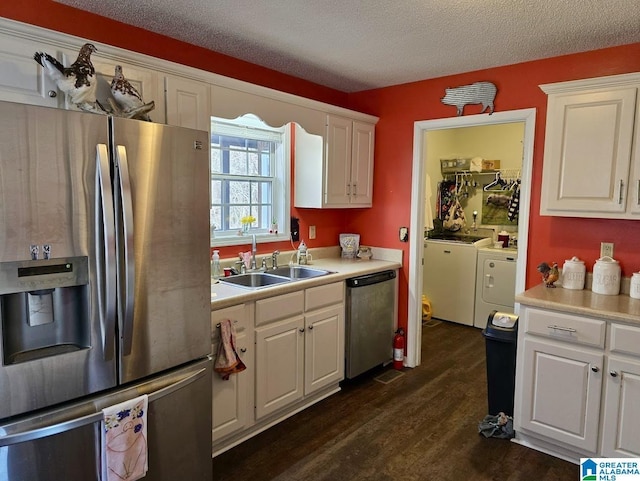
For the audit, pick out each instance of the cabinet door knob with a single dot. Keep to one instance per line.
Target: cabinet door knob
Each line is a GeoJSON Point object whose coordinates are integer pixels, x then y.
{"type": "Point", "coordinates": [595, 368]}
{"type": "Point", "coordinates": [52, 93]}
{"type": "Point", "coordinates": [613, 373]}
{"type": "Point", "coordinates": [243, 350]}
{"type": "Point", "coordinates": [301, 329]}
{"type": "Point", "coordinates": [311, 327]}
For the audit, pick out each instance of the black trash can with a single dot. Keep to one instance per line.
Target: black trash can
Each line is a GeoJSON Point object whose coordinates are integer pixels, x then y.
{"type": "Point", "coordinates": [501, 337]}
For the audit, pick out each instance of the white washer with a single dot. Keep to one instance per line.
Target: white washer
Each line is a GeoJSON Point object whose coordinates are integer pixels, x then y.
{"type": "Point", "coordinates": [495, 283]}
{"type": "Point", "coordinates": [450, 277]}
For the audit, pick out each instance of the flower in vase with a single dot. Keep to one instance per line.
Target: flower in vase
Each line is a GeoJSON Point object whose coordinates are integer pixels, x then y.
{"type": "Point", "coordinates": [246, 222]}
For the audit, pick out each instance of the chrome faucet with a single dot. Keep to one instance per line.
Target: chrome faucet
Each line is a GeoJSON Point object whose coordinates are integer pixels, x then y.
{"type": "Point", "coordinates": [274, 259]}
{"type": "Point", "coordinates": [253, 252]}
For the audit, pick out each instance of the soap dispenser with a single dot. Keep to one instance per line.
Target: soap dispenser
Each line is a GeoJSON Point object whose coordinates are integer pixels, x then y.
{"type": "Point", "coordinates": [302, 253]}
{"type": "Point", "coordinates": [215, 265]}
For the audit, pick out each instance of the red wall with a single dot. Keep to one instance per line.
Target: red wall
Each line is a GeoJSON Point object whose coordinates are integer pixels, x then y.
{"type": "Point", "coordinates": [551, 239]}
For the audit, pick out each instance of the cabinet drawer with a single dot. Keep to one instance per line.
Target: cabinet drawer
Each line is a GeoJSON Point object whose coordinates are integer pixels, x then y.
{"type": "Point", "coordinates": [625, 339]}
{"type": "Point", "coordinates": [321, 296]}
{"type": "Point", "coordinates": [279, 307]}
{"type": "Point", "coordinates": [565, 327]}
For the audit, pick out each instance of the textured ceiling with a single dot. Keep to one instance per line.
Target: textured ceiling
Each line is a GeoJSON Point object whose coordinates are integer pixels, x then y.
{"type": "Point", "coordinates": [354, 45]}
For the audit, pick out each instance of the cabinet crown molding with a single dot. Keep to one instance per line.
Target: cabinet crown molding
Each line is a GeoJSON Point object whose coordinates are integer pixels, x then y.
{"type": "Point", "coordinates": [63, 41]}
{"type": "Point", "coordinates": [611, 81]}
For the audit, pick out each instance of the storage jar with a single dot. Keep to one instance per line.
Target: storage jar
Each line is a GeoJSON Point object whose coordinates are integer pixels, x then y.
{"type": "Point", "coordinates": [504, 238]}
{"type": "Point", "coordinates": [606, 276]}
{"type": "Point", "coordinates": [573, 274]}
{"type": "Point", "coordinates": [634, 290]}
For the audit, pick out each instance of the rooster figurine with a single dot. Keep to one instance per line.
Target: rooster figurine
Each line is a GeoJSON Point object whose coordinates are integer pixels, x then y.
{"type": "Point", "coordinates": [550, 274]}
{"type": "Point", "coordinates": [77, 81]}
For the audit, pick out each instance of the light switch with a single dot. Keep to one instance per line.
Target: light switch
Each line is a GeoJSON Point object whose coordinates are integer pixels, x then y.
{"type": "Point", "coordinates": [312, 232]}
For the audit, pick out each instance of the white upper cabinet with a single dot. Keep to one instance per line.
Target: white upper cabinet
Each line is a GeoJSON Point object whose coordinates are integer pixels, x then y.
{"type": "Point", "coordinates": [337, 171]}
{"type": "Point", "coordinates": [22, 80]}
{"type": "Point", "coordinates": [590, 167]}
{"type": "Point", "coordinates": [147, 82]}
{"type": "Point", "coordinates": [362, 164]}
{"type": "Point", "coordinates": [187, 103]}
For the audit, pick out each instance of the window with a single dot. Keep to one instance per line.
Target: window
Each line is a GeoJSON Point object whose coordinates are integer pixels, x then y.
{"type": "Point", "coordinates": [249, 177]}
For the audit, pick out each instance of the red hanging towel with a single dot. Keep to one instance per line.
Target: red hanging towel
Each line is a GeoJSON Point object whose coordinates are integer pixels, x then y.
{"type": "Point", "coordinates": [227, 360]}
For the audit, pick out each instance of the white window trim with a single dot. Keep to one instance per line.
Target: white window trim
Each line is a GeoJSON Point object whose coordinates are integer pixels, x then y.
{"type": "Point", "coordinates": [285, 208]}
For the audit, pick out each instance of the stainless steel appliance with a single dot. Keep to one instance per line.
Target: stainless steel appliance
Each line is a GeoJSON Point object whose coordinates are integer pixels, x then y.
{"type": "Point", "coordinates": [370, 311]}
{"type": "Point", "coordinates": [104, 290]}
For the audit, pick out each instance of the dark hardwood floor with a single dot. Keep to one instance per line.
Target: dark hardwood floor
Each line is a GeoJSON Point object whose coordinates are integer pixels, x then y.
{"type": "Point", "coordinates": [421, 426]}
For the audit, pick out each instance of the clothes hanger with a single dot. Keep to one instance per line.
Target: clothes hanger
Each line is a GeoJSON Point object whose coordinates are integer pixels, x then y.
{"type": "Point", "coordinates": [497, 181]}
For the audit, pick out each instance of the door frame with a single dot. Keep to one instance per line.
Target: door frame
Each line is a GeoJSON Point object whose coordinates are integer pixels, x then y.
{"type": "Point", "coordinates": [416, 247]}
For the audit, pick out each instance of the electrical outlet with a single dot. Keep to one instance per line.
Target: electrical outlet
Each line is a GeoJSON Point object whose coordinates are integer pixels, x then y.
{"type": "Point", "coordinates": [606, 249]}
{"type": "Point", "coordinates": [312, 232]}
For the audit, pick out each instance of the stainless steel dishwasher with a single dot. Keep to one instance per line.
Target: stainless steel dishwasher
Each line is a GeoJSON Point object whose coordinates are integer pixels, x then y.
{"type": "Point", "coordinates": [370, 313]}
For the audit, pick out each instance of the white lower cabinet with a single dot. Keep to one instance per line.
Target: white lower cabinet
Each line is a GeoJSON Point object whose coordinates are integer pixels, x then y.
{"type": "Point", "coordinates": [561, 394]}
{"type": "Point", "coordinates": [621, 414]}
{"type": "Point", "coordinates": [279, 364]}
{"type": "Point", "coordinates": [299, 346]}
{"type": "Point", "coordinates": [577, 396]}
{"type": "Point", "coordinates": [233, 398]}
{"type": "Point", "coordinates": [294, 357]}
{"type": "Point", "coordinates": [621, 423]}
{"type": "Point", "coordinates": [323, 348]}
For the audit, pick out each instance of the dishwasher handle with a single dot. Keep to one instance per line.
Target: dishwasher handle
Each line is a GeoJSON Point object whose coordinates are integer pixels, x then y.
{"type": "Point", "coordinates": [369, 279]}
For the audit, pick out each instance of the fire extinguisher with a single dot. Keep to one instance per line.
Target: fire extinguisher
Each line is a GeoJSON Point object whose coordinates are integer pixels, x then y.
{"type": "Point", "coordinates": [398, 349]}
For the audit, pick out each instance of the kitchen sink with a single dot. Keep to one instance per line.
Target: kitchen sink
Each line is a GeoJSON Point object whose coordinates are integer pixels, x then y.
{"type": "Point", "coordinates": [255, 280]}
{"type": "Point", "coordinates": [299, 272]}
{"type": "Point", "coordinates": [280, 275]}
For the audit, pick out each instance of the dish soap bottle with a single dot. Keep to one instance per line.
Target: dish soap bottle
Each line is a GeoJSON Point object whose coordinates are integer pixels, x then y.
{"type": "Point", "coordinates": [302, 253]}
{"type": "Point", "coordinates": [215, 265]}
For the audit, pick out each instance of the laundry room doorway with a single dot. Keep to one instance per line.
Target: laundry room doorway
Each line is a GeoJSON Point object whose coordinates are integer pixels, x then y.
{"type": "Point", "coordinates": [418, 190]}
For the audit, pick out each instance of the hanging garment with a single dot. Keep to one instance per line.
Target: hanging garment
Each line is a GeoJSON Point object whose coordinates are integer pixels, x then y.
{"type": "Point", "coordinates": [428, 208]}
{"type": "Point", "coordinates": [447, 198]}
{"type": "Point", "coordinates": [514, 203]}
{"type": "Point", "coordinates": [455, 219]}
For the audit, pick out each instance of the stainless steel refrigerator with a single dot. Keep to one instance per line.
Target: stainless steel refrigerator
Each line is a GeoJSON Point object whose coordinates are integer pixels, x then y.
{"type": "Point", "coordinates": [104, 291]}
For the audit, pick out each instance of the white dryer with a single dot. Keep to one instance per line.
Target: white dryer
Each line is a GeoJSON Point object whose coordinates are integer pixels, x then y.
{"type": "Point", "coordinates": [495, 283]}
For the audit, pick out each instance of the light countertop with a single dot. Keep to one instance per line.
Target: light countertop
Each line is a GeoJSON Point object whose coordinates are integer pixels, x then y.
{"type": "Point", "coordinates": [225, 295]}
{"type": "Point", "coordinates": [585, 302]}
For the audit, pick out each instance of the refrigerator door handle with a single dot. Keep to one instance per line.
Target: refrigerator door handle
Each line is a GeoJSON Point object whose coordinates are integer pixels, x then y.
{"type": "Point", "coordinates": [127, 255]}
{"type": "Point", "coordinates": [38, 433]}
{"type": "Point", "coordinates": [105, 251]}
